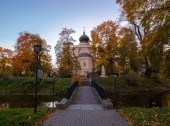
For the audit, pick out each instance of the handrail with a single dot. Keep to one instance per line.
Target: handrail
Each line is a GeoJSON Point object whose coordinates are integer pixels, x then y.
{"type": "Point", "coordinates": [99, 89]}
{"type": "Point", "coordinates": [71, 89]}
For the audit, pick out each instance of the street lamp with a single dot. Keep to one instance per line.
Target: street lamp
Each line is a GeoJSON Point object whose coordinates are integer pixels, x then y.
{"type": "Point", "coordinates": [116, 92]}
{"type": "Point", "coordinates": [54, 76]}
{"type": "Point", "coordinates": [37, 49]}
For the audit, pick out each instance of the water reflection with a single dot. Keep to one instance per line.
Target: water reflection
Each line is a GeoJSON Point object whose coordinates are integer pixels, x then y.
{"type": "Point", "coordinates": [26, 101]}
{"type": "Point", "coordinates": [50, 104]}
{"type": "Point", "coordinates": [4, 105]}
{"type": "Point", "coordinates": [147, 99]}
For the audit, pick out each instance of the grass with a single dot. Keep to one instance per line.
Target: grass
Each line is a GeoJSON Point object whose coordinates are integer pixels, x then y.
{"type": "Point", "coordinates": [26, 85]}
{"type": "Point", "coordinates": [146, 116]}
{"type": "Point", "coordinates": [21, 117]}
{"type": "Point", "coordinates": [140, 88]}
{"type": "Point", "coordinates": [125, 83]}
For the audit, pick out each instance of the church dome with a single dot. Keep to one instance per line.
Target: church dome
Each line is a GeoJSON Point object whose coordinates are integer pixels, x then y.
{"type": "Point", "coordinates": [84, 38]}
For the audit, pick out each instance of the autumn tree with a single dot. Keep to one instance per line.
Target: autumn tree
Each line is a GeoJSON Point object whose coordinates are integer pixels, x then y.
{"type": "Point", "coordinates": [127, 50]}
{"type": "Point", "coordinates": [66, 59]}
{"type": "Point", "coordinates": [150, 19]}
{"type": "Point", "coordinates": [24, 56]}
{"type": "Point", "coordinates": [6, 56]}
{"type": "Point", "coordinates": [104, 45]}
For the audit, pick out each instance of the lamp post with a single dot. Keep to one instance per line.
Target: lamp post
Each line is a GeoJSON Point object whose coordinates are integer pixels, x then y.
{"type": "Point", "coordinates": [37, 49]}
{"type": "Point", "coordinates": [116, 93]}
{"type": "Point", "coordinates": [54, 76]}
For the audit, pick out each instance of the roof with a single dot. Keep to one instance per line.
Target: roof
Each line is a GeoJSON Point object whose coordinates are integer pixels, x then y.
{"type": "Point", "coordinates": [84, 55]}
{"type": "Point", "coordinates": [84, 38]}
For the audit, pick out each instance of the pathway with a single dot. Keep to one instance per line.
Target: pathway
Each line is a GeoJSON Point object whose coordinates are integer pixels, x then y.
{"type": "Point", "coordinates": [85, 111]}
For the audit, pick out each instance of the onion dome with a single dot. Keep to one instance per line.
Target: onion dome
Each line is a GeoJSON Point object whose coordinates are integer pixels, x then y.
{"type": "Point", "coordinates": [84, 38]}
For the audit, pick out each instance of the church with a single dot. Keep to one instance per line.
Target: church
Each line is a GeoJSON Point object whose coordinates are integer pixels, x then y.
{"type": "Point", "coordinates": [85, 56]}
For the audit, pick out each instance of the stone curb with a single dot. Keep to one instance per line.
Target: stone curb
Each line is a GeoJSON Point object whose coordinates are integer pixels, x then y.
{"type": "Point", "coordinates": [62, 104]}
{"type": "Point", "coordinates": [106, 103]}
{"type": "Point", "coordinates": [65, 102]}
{"type": "Point", "coordinates": [72, 96]}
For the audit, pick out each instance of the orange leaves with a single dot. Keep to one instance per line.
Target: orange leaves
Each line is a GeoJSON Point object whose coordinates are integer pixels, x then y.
{"type": "Point", "coordinates": [150, 19]}
{"type": "Point", "coordinates": [104, 39]}
{"type": "Point", "coordinates": [24, 57]}
{"type": "Point", "coordinates": [115, 47]}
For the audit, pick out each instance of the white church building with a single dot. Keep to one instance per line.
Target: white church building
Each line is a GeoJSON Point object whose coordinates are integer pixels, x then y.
{"type": "Point", "coordinates": [85, 56]}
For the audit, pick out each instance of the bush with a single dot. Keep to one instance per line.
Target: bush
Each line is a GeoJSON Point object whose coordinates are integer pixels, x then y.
{"type": "Point", "coordinates": [134, 78]}
{"type": "Point", "coordinates": [20, 84]}
{"type": "Point", "coordinates": [159, 78]}
{"type": "Point", "coordinates": [75, 78]}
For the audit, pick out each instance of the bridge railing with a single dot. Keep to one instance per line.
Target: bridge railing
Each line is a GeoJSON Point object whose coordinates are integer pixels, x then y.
{"type": "Point", "coordinates": [99, 89]}
{"type": "Point", "coordinates": [71, 89]}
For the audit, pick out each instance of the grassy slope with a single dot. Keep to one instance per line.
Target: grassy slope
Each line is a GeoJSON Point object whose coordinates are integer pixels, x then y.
{"type": "Point", "coordinates": [124, 84]}
{"type": "Point", "coordinates": [26, 85]}
{"type": "Point", "coordinates": [138, 116]}
{"type": "Point", "coordinates": [25, 116]}
{"type": "Point", "coordinates": [21, 117]}
{"type": "Point", "coordinates": [146, 116]}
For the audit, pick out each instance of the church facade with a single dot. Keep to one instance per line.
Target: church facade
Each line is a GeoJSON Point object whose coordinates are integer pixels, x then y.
{"type": "Point", "coordinates": [84, 56]}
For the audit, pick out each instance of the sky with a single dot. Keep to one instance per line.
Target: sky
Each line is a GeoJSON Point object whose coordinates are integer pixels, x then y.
{"type": "Point", "coordinates": [48, 17]}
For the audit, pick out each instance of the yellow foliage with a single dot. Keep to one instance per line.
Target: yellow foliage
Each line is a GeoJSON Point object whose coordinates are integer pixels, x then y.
{"type": "Point", "coordinates": [75, 78]}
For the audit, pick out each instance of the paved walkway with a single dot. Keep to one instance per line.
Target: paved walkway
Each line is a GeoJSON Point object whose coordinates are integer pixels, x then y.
{"type": "Point", "coordinates": [85, 111]}
{"type": "Point", "coordinates": [85, 95]}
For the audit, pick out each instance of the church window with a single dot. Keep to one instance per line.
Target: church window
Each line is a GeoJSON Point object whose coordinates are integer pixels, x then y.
{"type": "Point", "coordinates": [84, 63]}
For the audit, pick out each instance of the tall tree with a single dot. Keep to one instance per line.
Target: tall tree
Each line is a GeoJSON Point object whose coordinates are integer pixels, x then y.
{"type": "Point", "coordinates": [104, 43]}
{"type": "Point", "coordinates": [24, 56]}
{"type": "Point", "coordinates": [150, 19]}
{"type": "Point", "coordinates": [128, 51]}
{"type": "Point", "coordinates": [64, 49]}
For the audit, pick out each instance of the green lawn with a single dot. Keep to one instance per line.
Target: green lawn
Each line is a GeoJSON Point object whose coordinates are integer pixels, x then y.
{"type": "Point", "coordinates": [125, 83]}
{"type": "Point", "coordinates": [22, 117]}
{"type": "Point", "coordinates": [146, 116]}
{"type": "Point", "coordinates": [25, 116]}
{"type": "Point", "coordinates": [26, 85]}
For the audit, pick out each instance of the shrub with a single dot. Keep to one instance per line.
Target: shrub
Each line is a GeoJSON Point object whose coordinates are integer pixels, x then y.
{"type": "Point", "coordinates": [134, 78]}
{"type": "Point", "coordinates": [75, 78]}
{"type": "Point", "coordinates": [159, 78]}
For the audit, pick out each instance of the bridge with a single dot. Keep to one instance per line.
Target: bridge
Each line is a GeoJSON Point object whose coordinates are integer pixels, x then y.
{"type": "Point", "coordinates": [85, 109]}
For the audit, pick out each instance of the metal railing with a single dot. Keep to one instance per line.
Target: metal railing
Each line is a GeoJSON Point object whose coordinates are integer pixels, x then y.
{"type": "Point", "coordinates": [99, 89]}
{"type": "Point", "coordinates": [71, 89]}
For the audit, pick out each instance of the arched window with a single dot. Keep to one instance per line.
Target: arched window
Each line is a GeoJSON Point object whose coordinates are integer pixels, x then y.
{"type": "Point", "coordinates": [84, 63]}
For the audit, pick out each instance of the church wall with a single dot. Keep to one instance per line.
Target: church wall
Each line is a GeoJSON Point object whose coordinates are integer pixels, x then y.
{"type": "Point", "coordinates": [84, 50]}
{"type": "Point", "coordinates": [85, 60]}
{"type": "Point", "coordinates": [86, 65]}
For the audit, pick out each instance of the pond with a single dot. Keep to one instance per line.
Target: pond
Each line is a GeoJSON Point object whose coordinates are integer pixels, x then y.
{"type": "Point", "coordinates": [26, 101]}
{"type": "Point", "coordinates": [140, 99]}
{"type": "Point", "coordinates": [145, 99]}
